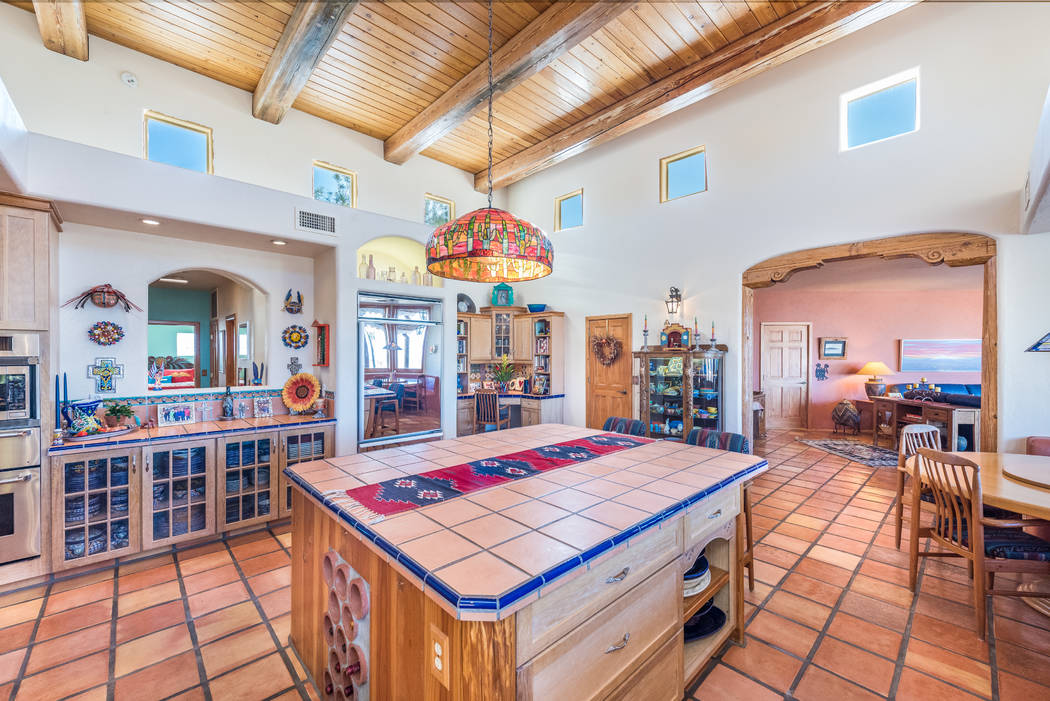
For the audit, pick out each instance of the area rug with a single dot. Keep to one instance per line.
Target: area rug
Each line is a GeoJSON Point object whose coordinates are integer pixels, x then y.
{"type": "Point", "coordinates": [372, 502]}
{"type": "Point", "coordinates": [856, 451]}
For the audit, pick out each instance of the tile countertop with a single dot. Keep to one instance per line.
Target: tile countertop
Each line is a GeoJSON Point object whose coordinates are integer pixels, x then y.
{"type": "Point", "coordinates": [515, 395]}
{"type": "Point", "coordinates": [201, 429]}
{"type": "Point", "coordinates": [485, 554]}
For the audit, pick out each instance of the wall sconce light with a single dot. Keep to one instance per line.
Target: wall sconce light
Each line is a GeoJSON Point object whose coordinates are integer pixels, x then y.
{"type": "Point", "coordinates": [674, 298]}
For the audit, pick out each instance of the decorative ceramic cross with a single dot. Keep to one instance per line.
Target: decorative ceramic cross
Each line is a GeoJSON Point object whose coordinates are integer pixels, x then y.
{"type": "Point", "coordinates": [103, 372]}
{"type": "Point", "coordinates": [294, 366]}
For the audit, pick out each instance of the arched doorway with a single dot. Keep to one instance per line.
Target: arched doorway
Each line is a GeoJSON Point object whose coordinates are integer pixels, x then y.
{"type": "Point", "coordinates": [953, 249]}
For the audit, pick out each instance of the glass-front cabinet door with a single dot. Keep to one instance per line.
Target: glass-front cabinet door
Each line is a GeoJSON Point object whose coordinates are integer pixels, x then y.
{"type": "Point", "coordinates": [501, 325]}
{"type": "Point", "coordinates": [667, 397]}
{"type": "Point", "coordinates": [178, 488]}
{"type": "Point", "coordinates": [94, 498]}
{"type": "Point", "coordinates": [302, 445]}
{"type": "Point", "coordinates": [247, 479]}
{"type": "Point", "coordinates": [707, 381]}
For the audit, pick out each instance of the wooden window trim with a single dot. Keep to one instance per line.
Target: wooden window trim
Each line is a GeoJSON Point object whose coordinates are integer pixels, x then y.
{"type": "Point", "coordinates": [342, 171]}
{"type": "Point", "coordinates": [182, 123]}
{"type": "Point", "coordinates": [557, 210]}
{"type": "Point", "coordinates": [443, 200]}
{"type": "Point", "coordinates": [668, 160]}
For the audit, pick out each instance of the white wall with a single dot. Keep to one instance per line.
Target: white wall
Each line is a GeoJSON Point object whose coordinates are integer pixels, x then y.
{"type": "Point", "coordinates": [778, 183]}
{"type": "Point", "coordinates": [90, 256]}
{"type": "Point", "coordinates": [86, 102]}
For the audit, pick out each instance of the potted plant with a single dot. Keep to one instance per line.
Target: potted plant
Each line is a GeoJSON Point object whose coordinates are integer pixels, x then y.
{"type": "Point", "coordinates": [118, 414]}
{"type": "Point", "coordinates": [503, 373]}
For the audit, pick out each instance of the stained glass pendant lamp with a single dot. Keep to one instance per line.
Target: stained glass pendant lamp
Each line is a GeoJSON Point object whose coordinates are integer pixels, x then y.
{"type": "Point", "coordinates": [489, 244]}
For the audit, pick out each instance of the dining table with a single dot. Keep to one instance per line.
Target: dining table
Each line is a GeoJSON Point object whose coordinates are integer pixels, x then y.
{"type": "Point", "coordinates": [371, 394]}
{"type": "Point", "coordinates": [1019, 483]}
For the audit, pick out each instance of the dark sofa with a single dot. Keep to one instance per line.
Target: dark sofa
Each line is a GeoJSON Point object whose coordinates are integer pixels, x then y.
{"type": "Point", "coordinates": [960, 395]}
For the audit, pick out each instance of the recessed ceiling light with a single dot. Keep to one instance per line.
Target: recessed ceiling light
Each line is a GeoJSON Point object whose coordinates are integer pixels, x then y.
{"type": "Point", "coordinates": [176, 280]}
{"type": "Point", "coordinates": [278, 242]}
{"type": "Point", "coordinates": [151, 222]}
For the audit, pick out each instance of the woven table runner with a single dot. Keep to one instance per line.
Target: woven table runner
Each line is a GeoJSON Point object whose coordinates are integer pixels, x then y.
{"type": "Point", "coordinates": [372, 502]}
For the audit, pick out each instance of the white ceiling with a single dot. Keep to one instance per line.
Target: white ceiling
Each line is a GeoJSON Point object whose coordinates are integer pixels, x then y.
{"type": "Point", "coordinates": [902, 274]}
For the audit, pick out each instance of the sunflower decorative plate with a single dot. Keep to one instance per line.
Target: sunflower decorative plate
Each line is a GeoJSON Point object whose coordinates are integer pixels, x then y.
{"type": "Point", "coordinates": [300, 392]}
{"type": "Point", "coordinates": [295, 337]}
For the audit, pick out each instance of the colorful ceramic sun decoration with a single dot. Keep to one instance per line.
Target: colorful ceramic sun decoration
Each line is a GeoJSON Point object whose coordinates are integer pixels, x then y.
{"type": "Point", "coordinates": [489, 245]}
{"type": "Point", "coordinates": [105, 333]}
{"type": "Point", "coordinates": [300, 392]}
{"type": "Point", "coordinates": [295, 336]}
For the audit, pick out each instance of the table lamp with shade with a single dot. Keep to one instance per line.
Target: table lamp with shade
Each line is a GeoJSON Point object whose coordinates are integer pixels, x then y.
{"type": "Point", "coordinates": [875, 386]}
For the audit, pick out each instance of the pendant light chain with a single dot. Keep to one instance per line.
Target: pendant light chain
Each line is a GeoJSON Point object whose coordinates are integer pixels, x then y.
{"type": "Point", "coordinates": [490, 104]}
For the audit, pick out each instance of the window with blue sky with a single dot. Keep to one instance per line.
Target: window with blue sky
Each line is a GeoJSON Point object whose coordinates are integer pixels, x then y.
{"type": "Point", "coordinates": [178, 142]}
{"type": "Point", "coordinates": [880, 110]}
{"type": "Point", "coordinates": [334, 184]}
{"type": "Point", "coordinates": [568, 210]}
{"type": "Point", "coordinates": [683, 174]}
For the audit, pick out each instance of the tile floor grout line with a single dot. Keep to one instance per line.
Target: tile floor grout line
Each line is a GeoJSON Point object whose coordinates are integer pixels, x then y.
{"type": "Point", "coordinates": [201, 670]}
{"type": "Point", "coordinates": [32, 641]}
{"type": "Point", "coordinates": [266, 622]}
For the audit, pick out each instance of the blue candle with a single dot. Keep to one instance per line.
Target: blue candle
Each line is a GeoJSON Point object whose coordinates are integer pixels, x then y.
{"type": "Point", "coordinates": [58, 419]}
{"type": "Point", "coordinates": [65, 390]}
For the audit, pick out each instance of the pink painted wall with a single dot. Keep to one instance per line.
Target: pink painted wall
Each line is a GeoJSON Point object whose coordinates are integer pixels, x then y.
{"type": "Point", "coordinates": [873, 322]}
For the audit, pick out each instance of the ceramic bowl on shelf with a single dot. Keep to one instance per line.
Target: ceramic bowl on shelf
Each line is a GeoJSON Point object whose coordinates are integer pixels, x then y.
{"type": "Point", "coordinates": [536, 308]}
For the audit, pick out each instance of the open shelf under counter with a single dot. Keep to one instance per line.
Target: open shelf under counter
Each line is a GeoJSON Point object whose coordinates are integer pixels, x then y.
{"type": "Point", "coordinates": [692, 604]}
{"type": "Point", "coordinates": [697, 653]}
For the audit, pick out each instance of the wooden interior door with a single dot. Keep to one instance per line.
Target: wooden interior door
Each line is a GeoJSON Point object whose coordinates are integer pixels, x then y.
{"type": "Point", "coordinates": [213, 344]}
{"type": "Point", "coordinates": [230, 341]}
{"type": "Point", "coordinates": [609, 386]}
{"type": "Point", "coordinates": [785, 374]}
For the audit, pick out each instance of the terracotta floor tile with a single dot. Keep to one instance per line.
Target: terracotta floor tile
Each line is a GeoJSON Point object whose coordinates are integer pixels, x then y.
{"type": "Point", "coordinates": [194, 694]}
{"type": "Point", "coordinates": [948, 611]}
{"type": "Point", "coordinates": [818, 569]}
{"type": "Point", "coordinates": [276, 602]}
{"type": "Point", "coordinates": [765, 663]}
{"type": "Point", "coordinates": [264, 563]}
{"type": "Point", "coordinates": [282, 628]}
{"type": "Point", "coordinates": [99, 693]}
{"type": "Point", "coordinates": [831, 540]}
{"type": "Point", "coordinates": [249, 546]}
{"type": "Point", "coordinates": [819, 685]}
{"type": "Point", "coordinates": [199, 562]}
{"type": "Point", "coordinates": [915, 686]}
{"type": "Point", "coordinates": [11, 664]}
{"type": "Point", "coordinates": [82, 580]}
{"type": "Point", "coordinates": [159, 680]}
{"type": "Point", "coordinates": [74, 619]}
{"type": "Point", "coordinates": [145, 578]}
{"type": "Point", "coordinates": [955, 638]}
{"type": "Point", "coordinates": [258, 680]}
{"type": "Point", "coordinates": [798, 609]}
{"type": "Point", "coordinates": [1014, 688]}
{"type": "Point", "coordinates": [775, 556]}
{"type": "Point", "coordinates": [886, 615]}
{"type": "Point", "coordinates": [838, 558]}
{"type": "Point", "coordinates": [782, 633]}
{"type": "Point", "coordinates": [20, 612]}
{"type": "Point", "coordinates": [58, 650]}
{"type": "Point", "coordinates": [938, 662]}
{"type": "Point", "coordinates": [268, 581]}
{"type": "Point", "coordinates": [14, 637]}
{"type": "Point", "coordinates": [770, 574]}
{"type": "Point", "coordinates": [76, 675]}
{"type": "Point", "coordinates": [723, 683]}
{"type": "Point", "coordinates": [78, 597]}
{"type": "Point", "coordinates": [148, 596]}
{"type": "Point", "coordinates": [217, 598]}
{"type": "Point", "coordinates": [152, 648]}
{"type": "Point", "coordinates": [855, 664]}
{"type": "Point", "coordinates": [1035, 639]}
{"type": "Point", "coordinates": [821, 592]}
{"type": "Point", "coordinates": [215, 625]}
{"type": "Point", "coordinates": [233, 651]}
{"type": "Point", "coordinates": [865, 634]}
{"type": "Point", "coordinates": [209, 579]}
{"type": "Point", "coordinates": [879, 589]}
{"type": "Point", "coordinates": [150, 620]}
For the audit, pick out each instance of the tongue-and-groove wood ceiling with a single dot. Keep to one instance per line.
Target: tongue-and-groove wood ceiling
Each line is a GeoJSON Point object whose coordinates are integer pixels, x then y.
{"type": "Point", "coordinates": [570, 74]}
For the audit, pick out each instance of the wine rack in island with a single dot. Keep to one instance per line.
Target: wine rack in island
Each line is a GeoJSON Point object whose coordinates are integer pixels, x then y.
{"type": "Point", "coordinates": [347, 631]}
{"type": "Point", "coordinates": [681, 389]}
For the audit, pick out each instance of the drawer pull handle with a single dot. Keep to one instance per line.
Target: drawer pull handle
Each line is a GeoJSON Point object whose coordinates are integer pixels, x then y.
{"type": "Point", "coordinates": [620, 645]}
{"type": "Point", "coordinates": [715, 514]}
{"type": "Point", "coordinates": [618, 577]}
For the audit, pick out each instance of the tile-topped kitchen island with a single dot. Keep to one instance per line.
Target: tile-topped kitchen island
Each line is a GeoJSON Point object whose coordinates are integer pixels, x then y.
{"type": "Point", "coordinates": [549, 566]}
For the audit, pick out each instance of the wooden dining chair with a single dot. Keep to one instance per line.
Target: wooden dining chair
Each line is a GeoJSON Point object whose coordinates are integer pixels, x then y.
{"type": "Point", "coordinates": [488, 412]}
{"type": "Point", "coordinates": [913, 437]}
{"type": "Point", "coordinates": [416, 395]}
{"type": "Point", "coordinates": [736, 443]}
{"type": "Point", "coordinates": [390, 405]}
{"type": "Point", "coordinates": [961, 529]}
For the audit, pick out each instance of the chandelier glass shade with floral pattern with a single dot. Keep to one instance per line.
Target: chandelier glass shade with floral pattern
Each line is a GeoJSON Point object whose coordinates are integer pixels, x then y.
{"type": "Point", "coordinates": [489, 244]}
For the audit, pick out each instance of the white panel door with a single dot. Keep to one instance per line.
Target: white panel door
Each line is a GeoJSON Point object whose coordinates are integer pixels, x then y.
{"type": "Point", "coordinates": [785, 374]}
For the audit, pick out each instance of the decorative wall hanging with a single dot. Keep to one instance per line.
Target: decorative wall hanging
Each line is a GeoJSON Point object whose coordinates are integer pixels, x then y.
{"type": "Point", "coordinates": [465, 304]}
{"type": "Point", "coordinates": [1040, 346]}
{"type": "Point", "coordinates": [104, 296]}
{"type": "Point", "coordinates": [831, 348]}
{"type": "Point", "coordinates": [322, 342]}
{"type": "Point", "coordinates": [105, 333]}
{"type": "Point", "coordinates": [489, 245]}
{"type": "Point", "coordinates": [821, 371]}
{"type": "Point", "coordinates": [502, 295]}
{"type": "Point", "coordinates": [295, 336]}
{"type": "Point", "coordinates": [674, 336]}
{"type": "Point", "coordinates": [940, 355]}
{"type": "Point", "coordinates": [294, 366]}
{"type": "Point", "coordinates": [262, 407]}
{"type": "Point", "coordinates": [176, 414]}
{"type": "Point", "coordinates": [606, 349]}
{"type": "Point", "coordinates": [258, 369]}
{"type": "Point", "coordinates": [300, 392]}
{"type": "Point", "coordinates": [103, 372]}
{"type": "Point", "coordinates": [293, 305]}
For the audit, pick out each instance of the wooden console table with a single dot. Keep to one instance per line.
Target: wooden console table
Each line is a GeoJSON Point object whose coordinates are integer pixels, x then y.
{"type": "Point", "coordinates": [894, 413]}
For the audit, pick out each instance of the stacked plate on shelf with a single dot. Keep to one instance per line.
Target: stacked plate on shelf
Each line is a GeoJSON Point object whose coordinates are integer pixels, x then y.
{"type": "Point", "coordinates": [709, 619]}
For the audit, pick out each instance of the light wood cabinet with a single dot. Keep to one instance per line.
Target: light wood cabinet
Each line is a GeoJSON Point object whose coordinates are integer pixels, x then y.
{"type": "Point", "coordinates": [178, 492]}
{"type": "Point", "coordinates": [247, 474]}
{"type": "Point", "coordinates": [301, 445]}
{"type": "Point", "coordinates": [521, 339]}
{"type": "Point", "coordinates": [95, 501]}
{"type": "Point", "coordinates": [479, 345]}
{"type": "Point", "coordinates": [464, 416]}
{"type": "Point", "coordinates": [25, 264]}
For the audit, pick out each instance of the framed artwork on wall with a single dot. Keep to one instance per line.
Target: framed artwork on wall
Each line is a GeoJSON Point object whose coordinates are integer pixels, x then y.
{"type": "Point", "coordinates": [262, 407]}
{"type": "Point", "coordinates": [940, 355]}
{"type": "Point", "coordinates": [1040, 346]}
{"type": "Point", "coordinates": [176, 414]}
{"type": "Point", "coordinates": [832, 348]}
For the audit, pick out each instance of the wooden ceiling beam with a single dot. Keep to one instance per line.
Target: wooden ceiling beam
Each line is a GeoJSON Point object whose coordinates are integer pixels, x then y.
{"type": "Point", "coordinates": [310, 31]}
{"type": "Point", "coordinates": [808, 28]}
{"type": "Point", "coordinates": [63, 26]}
{"type": "Point", "coordinates": [562, 26]}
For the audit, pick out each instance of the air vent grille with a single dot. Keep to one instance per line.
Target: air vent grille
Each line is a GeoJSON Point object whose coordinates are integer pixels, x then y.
{"type": "Point", "coordinates": [312, 221]}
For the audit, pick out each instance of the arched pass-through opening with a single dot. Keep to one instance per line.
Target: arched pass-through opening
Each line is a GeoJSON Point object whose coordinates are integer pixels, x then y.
{"type": "Point", "coordinates": [952, 249]}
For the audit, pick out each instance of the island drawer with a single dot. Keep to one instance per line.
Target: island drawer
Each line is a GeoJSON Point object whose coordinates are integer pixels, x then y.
{"type": "Point", "coordinates": [603, 650]}
{"type": "Point", "coordinates": [658, 678]}
{"type": "Point", "coordinates": [561, 610]}
{"type": "Point", "coordinates": [712, 514]}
